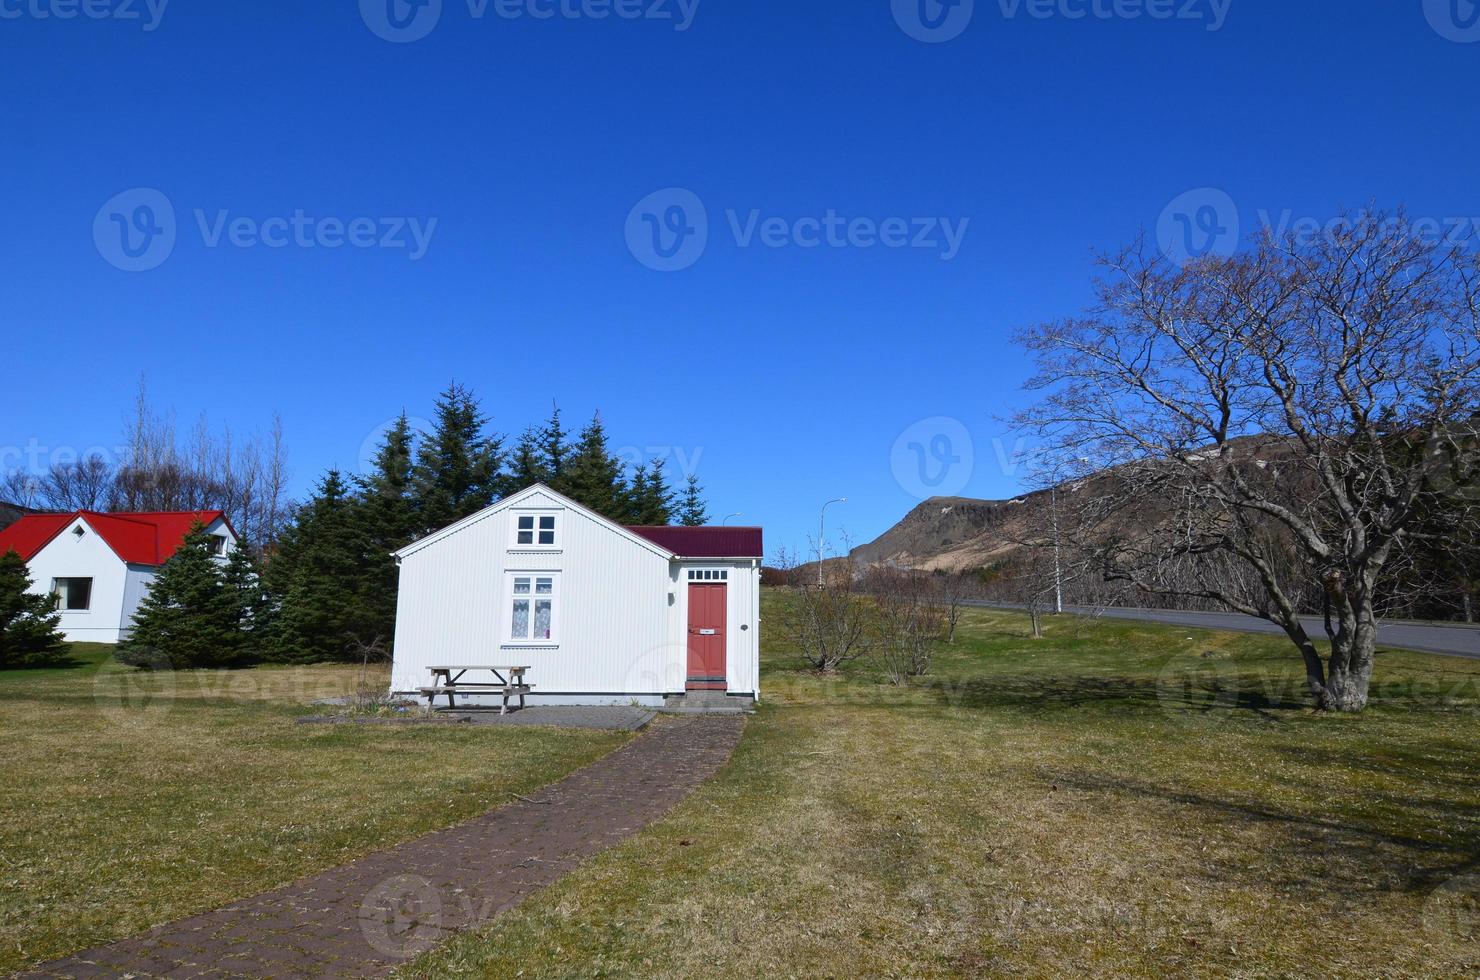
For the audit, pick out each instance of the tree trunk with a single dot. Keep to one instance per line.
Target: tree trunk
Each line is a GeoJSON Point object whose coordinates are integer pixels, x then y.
{"type": "Point", "coordinates": [1352, 653]}
{"type": "Point", "coordinates": [1037, 619]}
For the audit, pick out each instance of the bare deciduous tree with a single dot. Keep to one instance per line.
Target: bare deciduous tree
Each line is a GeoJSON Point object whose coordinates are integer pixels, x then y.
{"type": "Point", "coordinates": [830, 623]}
{"type": "Point", "coordinates": [952, 590]}
{"type": "Point", "coordinates": [81, 485]}
{"type": "Point", "coordinates": [909, 621]}
{"type": "Point", "coordinates": [1273, 422]}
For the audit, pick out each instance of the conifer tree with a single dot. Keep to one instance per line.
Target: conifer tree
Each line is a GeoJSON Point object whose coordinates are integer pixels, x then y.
{"type": "Point", "coordinates": [526, 464]}
{"type": "Point", "coordinates": [188, 619]}
{"type": "Point", "coordinates": [457, 464]}
{"type": "Point", "coordinates": [29, 623]}
{"type": "Point", "coordinates": [691, 509]}
{"type": "Point", "coordinates": [555, 451]}
{"type": "Point", "coordinates": [252, 609]}
{"type": "Point", "coordinates": [649, 499]}
{"type": "Point", "coordinates": [387, 491]}
{"type": "Point", "coordinates": [327, 574]}
{"type": "Point", "coordinates": [594, 475]}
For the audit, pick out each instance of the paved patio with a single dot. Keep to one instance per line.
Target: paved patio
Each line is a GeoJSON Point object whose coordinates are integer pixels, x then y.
{"type": "Point", "coordinates": [364, 918]}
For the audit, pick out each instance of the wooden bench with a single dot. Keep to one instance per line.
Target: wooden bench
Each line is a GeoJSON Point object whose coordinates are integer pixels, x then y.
{"type": "Point", "coordinates": [448, 681]}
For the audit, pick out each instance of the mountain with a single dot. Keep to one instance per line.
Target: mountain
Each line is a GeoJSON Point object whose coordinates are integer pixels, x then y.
{"type": "Point", "coordinates": [954, 533]}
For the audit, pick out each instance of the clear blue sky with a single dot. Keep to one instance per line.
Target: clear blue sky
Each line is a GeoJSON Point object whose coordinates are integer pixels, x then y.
{"type": "Point", "coordinates": [789, 373]}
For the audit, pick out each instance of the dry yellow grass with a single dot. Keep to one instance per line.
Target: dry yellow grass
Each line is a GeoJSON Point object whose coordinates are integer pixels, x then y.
{"type": "Point", "coordinates": [1108, 800]}
{"type": "Point", "coordinates": [128, 800]}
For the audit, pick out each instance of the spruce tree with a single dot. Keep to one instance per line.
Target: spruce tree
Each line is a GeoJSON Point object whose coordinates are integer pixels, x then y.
{"type": "Point", "coordinates": [554, 451]}
{"type": "Point", "coordinates": [252, 610]}
{"type": "Point", "coordinates": [691, 509]}
{"type": "Point", "coordinates": [188, 619]}
{"type": "Point", "coordinates": [457, 464]}
{"type": "Point", "coordinates": [594, 475]}
{"type": "Point", "coordinates": [387, 491]}
{"type": "Point", "coordinates": [634, 498]}
{"type": "Point", "coordinates": [29, 623]}
{"type": "Point", "coordinates": [326, 575]}
{"type": "Point", "coordinates": [649, 500]}
{"type": "Point", "coordinates": [526, 464]}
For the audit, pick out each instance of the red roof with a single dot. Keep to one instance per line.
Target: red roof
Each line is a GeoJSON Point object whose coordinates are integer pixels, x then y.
{"type": "Point", "coordinates": [139, 539]}
{"type": "Point", "coordinates": [705, 542]}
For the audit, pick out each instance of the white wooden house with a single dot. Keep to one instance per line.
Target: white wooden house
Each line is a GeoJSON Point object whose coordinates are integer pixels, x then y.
{"type": "Point", "coordinates": [599, 612]}
{"type": "Point", "coordinates": [100, 566]}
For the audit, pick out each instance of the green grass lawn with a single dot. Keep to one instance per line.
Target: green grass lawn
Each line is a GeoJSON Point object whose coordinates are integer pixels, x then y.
{"type": "Point", "coordinates": [127, 800]}
{"type": "Point", "coordinates": [1118, 798]}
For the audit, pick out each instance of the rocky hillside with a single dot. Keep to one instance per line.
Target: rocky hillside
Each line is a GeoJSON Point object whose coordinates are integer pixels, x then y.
{"type": "Point", "coordinates": [953, 533]}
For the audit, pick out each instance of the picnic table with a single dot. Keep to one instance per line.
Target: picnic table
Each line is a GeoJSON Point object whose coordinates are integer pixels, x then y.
{"type": "Point", "coordinates": [507, 681]}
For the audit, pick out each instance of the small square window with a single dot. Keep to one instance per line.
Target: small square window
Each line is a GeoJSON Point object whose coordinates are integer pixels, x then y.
{"type": "Point", "coordinates": [536, 531]}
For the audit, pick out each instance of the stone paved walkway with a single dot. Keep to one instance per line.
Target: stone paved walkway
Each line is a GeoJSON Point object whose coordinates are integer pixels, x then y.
{"type": "Point", "coordinates": [366, 917]}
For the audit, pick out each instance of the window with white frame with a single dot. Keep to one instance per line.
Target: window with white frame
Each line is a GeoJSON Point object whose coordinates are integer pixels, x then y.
{"type": "Point", "coordinates": [532, 600]}
{"type": "Point", "coordinates": [73, 594]}
{"type": "Point", "coordinates": [709, 575]}
{"type": "Point", "coordinates": [535, 531]}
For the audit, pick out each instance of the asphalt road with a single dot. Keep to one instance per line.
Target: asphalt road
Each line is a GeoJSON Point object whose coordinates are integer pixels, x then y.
{"type": "Point", "coordinates": [1457, 641]}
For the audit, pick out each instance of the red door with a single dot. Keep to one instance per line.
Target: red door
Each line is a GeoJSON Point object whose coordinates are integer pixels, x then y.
{"type": "Point", "coordinates": [707, 637]}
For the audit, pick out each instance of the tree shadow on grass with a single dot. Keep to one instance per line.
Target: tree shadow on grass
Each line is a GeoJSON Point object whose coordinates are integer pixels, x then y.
{"type": "Point", "coordinates": [1175, 698]}
{"type": "Point", "coordinates": [62, 661]}
{"type": "Point", "coordinates": [1317, 854]}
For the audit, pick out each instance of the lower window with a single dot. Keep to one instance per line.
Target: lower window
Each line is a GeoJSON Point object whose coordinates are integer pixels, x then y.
{"type": "Point", "coordinates": [532, 599]}
{"type": "Point", "coordinates": [73, 594]}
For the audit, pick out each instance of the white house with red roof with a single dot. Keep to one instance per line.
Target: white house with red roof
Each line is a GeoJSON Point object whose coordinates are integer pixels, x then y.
{"type": "Point", "coordinates": [599, 613]}
{"type": "Point", "coordinates": [100, 566]}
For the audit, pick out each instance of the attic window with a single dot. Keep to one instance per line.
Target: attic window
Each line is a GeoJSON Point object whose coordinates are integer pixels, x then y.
{"type": "Point", "coordinates": [534, 531]}
{"type": "Point", "coordinates": [78, 531]}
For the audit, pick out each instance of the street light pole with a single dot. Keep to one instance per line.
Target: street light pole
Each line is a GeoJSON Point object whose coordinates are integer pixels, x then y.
{"type": "Point", "coordinates": [1058, 575]}
{"type": "Point", "coordinates": [728, 516]}
{"type": "Point", "coordinates": [822, 534]}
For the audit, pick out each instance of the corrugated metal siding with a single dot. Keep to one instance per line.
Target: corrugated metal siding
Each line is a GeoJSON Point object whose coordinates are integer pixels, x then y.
{"type": "Point", "coordinates": [615, 621]}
